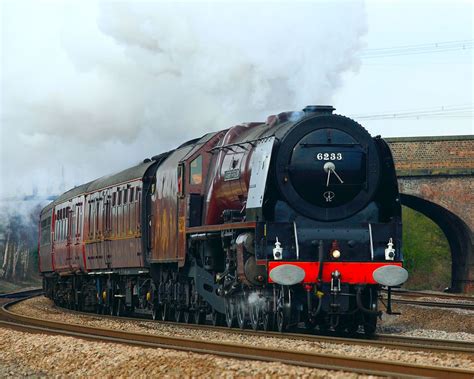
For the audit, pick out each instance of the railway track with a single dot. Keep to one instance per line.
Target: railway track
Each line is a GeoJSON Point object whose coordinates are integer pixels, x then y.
{"type": "Point", "coordinates": [21, 294]}
{"type": "Point", "coordinates": [316, 360]}
{"type": "Point", "coordinates": [380, 340]}
{"type": "Point", "coordinates": [440, 295]}
{"type": "Point", "coordinates": [402, 295]}
{"type": "Point", "coordinates": [434, 304]}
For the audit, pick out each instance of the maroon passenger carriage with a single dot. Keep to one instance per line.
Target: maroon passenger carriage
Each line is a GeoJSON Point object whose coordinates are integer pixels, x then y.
{"type": "Point", "coordinates": [269, 224]}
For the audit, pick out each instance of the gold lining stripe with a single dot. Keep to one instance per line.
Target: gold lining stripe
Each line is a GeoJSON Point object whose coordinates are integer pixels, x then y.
{"type": "Point", "coordinates": [113, 239]}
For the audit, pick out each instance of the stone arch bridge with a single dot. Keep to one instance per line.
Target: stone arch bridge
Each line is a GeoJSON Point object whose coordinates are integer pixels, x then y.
{"type": "Point", "coordinates": [435, 176]}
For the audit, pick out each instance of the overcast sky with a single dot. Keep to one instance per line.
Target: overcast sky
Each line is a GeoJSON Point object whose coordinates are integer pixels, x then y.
{"type": "Point", "coordinates": [88, 88]}
{"type": "Point", "coordinates": [414, 81]}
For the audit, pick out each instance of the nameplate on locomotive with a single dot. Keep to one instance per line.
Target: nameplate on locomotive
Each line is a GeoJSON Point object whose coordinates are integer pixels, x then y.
{"type": "Point", "coordinates": [232, 174]}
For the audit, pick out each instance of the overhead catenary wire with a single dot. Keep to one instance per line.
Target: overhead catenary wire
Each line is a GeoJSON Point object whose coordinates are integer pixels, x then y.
{"type": "Point", "coordinates": [427, 48]}
{"type": "Point", "coordinates": [453, 111]}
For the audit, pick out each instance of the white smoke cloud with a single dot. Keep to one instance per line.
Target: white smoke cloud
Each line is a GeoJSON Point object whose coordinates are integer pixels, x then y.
{"type": "Point", "coordinates": [96, 87]}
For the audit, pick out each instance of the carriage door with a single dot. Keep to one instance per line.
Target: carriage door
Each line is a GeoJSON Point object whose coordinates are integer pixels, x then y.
{"type": "Point", "coordinates": [77, 232]}
{"type": "Point", "coordinates": [181, 251]}
{"type": "Point", "coordinates": [69, 215]}
{"type": "Point", "coordinates": [107, 227]}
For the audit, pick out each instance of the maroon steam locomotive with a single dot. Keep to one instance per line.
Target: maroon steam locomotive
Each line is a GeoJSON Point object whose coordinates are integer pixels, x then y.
{"type": "Point", "coordinates": [272, 224]}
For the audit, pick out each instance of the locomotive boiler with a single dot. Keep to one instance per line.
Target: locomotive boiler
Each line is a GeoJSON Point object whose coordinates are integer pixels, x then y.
{"type": "Point", "coordinates": [271, 224]}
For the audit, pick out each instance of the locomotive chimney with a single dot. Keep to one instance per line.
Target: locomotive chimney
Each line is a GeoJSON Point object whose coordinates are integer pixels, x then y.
{"type": "Point", "coordinates": [319, 109]}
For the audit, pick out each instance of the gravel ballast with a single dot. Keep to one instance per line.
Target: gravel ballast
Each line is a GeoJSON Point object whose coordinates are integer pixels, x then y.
{"type": "Point", "coordinates": [43, 308]}
{"type": "Point", "coordinates": [24, 354]}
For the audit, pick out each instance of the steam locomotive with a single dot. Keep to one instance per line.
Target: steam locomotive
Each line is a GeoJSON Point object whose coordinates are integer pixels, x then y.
{"type": "Point", "coordinates": [270, 225]}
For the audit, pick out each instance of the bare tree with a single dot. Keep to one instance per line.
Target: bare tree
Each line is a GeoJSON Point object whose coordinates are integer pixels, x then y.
{"type": "Point", "coordinates": [19, 245]}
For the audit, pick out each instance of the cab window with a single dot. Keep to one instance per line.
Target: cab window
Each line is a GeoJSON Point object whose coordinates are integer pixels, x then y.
{"type": "Point", "coordinates": [195, 171]}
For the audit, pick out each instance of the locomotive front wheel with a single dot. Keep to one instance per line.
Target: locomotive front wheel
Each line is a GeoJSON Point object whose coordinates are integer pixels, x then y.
{"type": "Point", "coordinates": [229, 312]}
{"type": "Point", "coordinates": [268, 320]}
{"type": "Point", "coordinates": [241, 312]}
{"type": "Point", "coordinates": [283, 312]}
{"type": "Point", "coordinates": [255, 313]}
{"type": "Point", "coordinates": [268, 316]}
{"type": "Point", "coordinates": [217, 318]}
{"type": "Point", "coordinates": [282, 322]}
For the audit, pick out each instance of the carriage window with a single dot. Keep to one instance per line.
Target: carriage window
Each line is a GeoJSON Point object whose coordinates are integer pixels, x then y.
{"type": "Point", "coordinates": [46, 231]}
{"type": "Point", "coordinates": [125, 196]}
{"type": "Point", "coordinates": [89, 221]}
{"type": "Point", "coordinates": [131, 195]}
{"type": "Point", "coordinates": [195, 172]}
{"type": "Point", "coordinates": [114, 199]}
{"type": "Point", "coordinates": [137, 196]}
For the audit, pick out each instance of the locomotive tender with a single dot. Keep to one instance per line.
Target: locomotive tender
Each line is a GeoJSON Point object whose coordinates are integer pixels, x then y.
{"type": "Point", "coordinates": [296, 219]}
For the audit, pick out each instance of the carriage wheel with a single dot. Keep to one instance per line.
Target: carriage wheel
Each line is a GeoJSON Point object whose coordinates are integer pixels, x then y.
{"type": "Point", "coordinates": [155, 311]}
{"type": "Point", "coordinates": [120, 311]}
{"type": "Point", "coordinates": [268, 320]}
{"type": "Point", "coordinates": [112, 307]}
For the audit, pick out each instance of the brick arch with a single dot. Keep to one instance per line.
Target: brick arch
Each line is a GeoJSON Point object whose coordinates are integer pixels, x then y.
{"type": "Point", "coordinates": [459, 237]}
{"type": "Point", "coordinates": [436, 177]}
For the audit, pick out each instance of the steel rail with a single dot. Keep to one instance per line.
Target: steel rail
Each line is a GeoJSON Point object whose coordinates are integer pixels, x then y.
{"type": "Point", "coordinates": [22, 294]}
{"type": "Point", "coordinates": [434, 304]}
{"type": "Point", "coordinates": [390, 341]}
{"type": "Point", "coordinates": [413, 293]}
{"type": "Point", "coordinates": [316, 360]}
{"type": "Point", "coordinates": [431, 344]}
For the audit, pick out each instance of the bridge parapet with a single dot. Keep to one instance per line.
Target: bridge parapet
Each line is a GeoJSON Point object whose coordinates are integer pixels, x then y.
{"type": "Point", "coordinates": [427, 156]}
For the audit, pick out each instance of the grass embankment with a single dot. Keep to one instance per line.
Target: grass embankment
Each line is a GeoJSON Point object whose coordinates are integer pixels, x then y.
{"type": "Point", "coordinates": [426, 252]}
{"type": "Point", "coordinates": [6, 286]}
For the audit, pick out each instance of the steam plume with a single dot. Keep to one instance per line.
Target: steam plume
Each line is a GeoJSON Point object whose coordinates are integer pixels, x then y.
{"type": "Point", "coordinates": [96, 87]}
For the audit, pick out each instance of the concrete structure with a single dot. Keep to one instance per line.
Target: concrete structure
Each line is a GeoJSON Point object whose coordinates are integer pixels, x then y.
{"type": "Point", "coordinates": [435, 176]}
